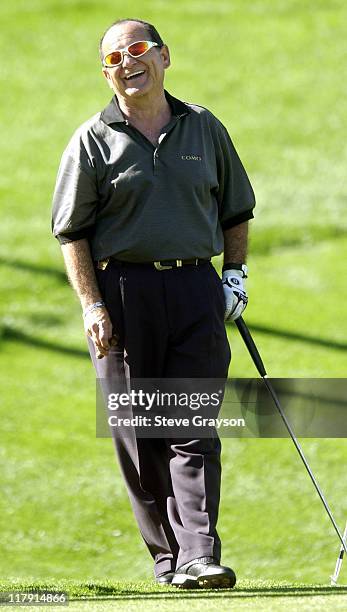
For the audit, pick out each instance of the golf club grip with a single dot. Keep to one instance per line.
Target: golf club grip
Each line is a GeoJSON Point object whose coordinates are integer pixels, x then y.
{"type": "Point", "coordinates": [248, 340]}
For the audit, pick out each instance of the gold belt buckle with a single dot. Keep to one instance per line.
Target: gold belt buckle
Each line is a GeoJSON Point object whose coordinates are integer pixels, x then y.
{"type": "Point", "coordinates": [159, 266]}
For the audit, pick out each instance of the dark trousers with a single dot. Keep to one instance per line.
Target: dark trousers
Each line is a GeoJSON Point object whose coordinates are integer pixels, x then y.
{"type": "Point", "coordinates": [170, 325]}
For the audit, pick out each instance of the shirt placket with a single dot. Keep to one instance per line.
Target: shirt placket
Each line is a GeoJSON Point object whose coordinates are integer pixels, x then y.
{"type": "Point", "coordinates": [163, 136]}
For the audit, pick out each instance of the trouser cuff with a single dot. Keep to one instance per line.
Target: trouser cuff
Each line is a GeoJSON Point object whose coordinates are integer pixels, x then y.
{"type": "Point", "coordinates": [164, 565]}
{"type": "Point", "coordinates": [185, 556]}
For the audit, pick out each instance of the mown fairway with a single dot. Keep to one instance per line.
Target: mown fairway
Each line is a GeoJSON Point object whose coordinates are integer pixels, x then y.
{"type": "Point", "coordinates": [275, 73]}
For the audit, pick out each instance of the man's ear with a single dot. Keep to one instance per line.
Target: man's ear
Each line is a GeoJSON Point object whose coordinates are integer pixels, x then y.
{"type": "Point", "coordinates": [107, 77]}
{"type": "Point", "coordinates": [165, 53]}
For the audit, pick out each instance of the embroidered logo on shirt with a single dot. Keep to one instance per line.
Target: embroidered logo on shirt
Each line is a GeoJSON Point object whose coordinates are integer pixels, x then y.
{"type": "Point", "coordinates": [191, 157]}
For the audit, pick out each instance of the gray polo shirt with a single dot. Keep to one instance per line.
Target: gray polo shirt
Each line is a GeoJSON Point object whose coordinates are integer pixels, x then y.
{"type": "Point", "coordinates": [145, 203]}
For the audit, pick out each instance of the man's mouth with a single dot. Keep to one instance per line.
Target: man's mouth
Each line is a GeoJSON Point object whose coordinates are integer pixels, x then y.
{"type": "Point", "coordinates": [134, 75]}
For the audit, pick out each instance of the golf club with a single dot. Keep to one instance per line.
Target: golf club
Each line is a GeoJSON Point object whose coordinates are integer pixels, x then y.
{"type": "Point", "coordinates": [335, 576]}
{"type": "Point", "coordinates": [248, 340]}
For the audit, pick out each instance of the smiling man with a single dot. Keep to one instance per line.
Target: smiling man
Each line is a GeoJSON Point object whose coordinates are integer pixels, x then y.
{"type": "Point", "coordinates": [147, 192]}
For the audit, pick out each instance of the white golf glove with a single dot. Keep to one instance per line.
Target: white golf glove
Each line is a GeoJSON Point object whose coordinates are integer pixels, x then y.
{"type": "Point", "coordinates": [235, 294]}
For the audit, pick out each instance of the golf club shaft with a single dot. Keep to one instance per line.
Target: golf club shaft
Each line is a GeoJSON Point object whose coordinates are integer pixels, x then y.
{"type": "Point", "coordinates": [244, 331]}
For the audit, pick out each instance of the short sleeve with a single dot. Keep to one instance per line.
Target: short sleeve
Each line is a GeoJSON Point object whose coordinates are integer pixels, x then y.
{"type": "Point", "coordinates": [235, 195]}
{"type": "Point", "coordinates": [75, 198]}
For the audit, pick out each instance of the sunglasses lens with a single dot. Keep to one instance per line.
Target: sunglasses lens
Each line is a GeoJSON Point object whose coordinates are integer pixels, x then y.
{"type": "Point", "coordinates": [113, 59]}
{"type": "Point", "coordinates": [138, 48]}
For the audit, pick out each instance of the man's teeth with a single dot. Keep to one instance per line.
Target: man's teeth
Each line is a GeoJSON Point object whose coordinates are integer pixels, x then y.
{"type": "Point", "coordinates": [134, 74]}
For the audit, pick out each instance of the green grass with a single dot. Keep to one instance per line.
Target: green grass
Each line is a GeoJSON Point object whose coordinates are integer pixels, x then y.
{"type": "Point", "coordinates": [254, 595]}
{"type": "Point", "coordinates": [278, 84]}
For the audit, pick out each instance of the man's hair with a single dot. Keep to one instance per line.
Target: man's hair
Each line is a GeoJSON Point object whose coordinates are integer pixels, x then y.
{"type": "Point", "coordinates": [153, 33]}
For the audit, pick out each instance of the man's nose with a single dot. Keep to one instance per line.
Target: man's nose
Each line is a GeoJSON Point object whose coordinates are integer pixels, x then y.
{"type": "Point", "coordinates": [127, 59]}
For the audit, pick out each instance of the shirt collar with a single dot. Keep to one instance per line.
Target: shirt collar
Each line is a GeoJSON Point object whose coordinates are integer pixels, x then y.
{"type": "Point", "coordinates": [113, 114]}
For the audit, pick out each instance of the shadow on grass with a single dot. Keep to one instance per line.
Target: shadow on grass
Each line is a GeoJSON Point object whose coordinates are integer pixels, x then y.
{"type": "Point", "coordinates": [104, 593]}
{"type": "Point", "coordinates": [13, 335]}
{"type": "Point", "coordinates": [9, 334]}
{"type": "Point", "coordinates": [288, 335]}
{"type": "Point", "coordinates": [28, 266]}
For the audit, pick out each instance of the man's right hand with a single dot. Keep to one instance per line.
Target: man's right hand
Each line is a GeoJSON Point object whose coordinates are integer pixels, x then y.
{"type": "Point", "coordinates": [98, 326]}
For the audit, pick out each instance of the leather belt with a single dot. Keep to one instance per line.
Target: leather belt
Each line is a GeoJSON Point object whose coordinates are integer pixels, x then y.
{"type": "Point", "coordinates": [158, 265]}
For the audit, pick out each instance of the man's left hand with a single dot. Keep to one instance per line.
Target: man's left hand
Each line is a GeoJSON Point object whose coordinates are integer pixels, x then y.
{"type": "Point", "coordinates": [235, 294]}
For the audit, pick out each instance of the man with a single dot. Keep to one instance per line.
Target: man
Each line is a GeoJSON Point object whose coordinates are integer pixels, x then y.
{"type": "Point", "coordinates": [148, 191]}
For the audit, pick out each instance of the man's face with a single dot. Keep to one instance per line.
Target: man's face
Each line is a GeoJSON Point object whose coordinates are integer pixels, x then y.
{"type": "Point", "coordinates": [151, 65]}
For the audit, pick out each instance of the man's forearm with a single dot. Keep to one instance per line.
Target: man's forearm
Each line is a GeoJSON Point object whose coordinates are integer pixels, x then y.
{"type": "Point", "coordinates": [80, 269]}
{"type": "Point", "coordinates": [235, 243]}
